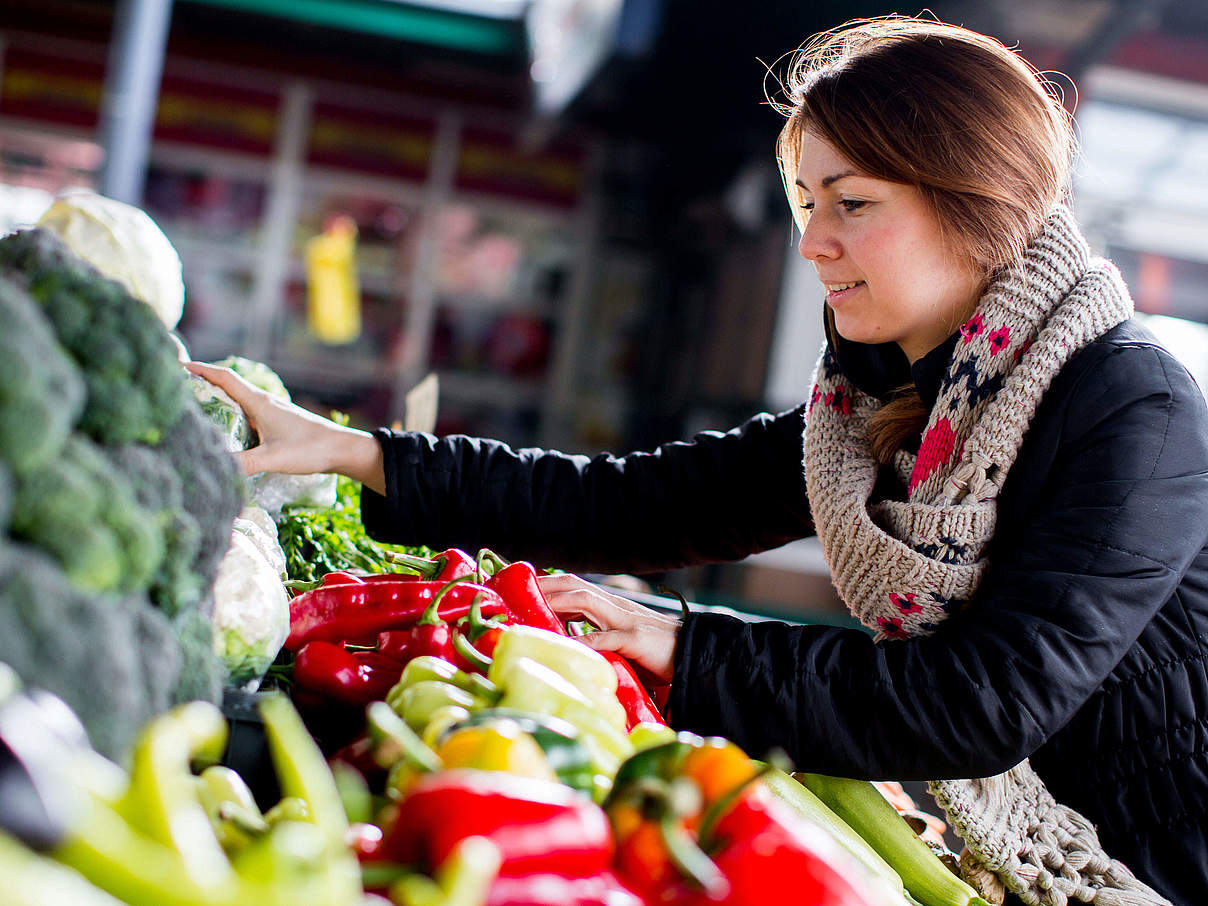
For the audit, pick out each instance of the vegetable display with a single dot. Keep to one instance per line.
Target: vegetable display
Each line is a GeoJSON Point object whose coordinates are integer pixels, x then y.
{"type": "Point", "coordinates": [161, 835]}
{"type": "Point", "coordinates": [117, 497]}
{"type": "Point", "coordinates": [484, 756]}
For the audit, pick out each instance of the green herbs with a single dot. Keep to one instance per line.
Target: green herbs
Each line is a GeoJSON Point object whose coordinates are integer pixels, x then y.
{"type": "Point", "coordinates": [319, 540]}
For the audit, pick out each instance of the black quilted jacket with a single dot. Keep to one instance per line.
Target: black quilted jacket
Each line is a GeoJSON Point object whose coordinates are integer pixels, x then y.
{"type": "Point", "coordinates": [1084, 648]}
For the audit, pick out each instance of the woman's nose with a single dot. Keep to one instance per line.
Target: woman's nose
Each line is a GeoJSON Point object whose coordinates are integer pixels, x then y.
{"type": "Point", "coordinates": [817, 241]}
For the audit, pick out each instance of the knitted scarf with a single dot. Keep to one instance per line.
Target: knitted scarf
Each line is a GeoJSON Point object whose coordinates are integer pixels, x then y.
{"type": "Point", "coordinates": [902, 567]}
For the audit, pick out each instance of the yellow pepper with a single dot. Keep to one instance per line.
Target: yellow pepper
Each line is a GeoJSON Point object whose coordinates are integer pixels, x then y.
{"type": "Point", "coordinates": [500, 745]}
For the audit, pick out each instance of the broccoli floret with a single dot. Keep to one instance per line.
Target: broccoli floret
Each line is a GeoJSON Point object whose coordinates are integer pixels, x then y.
{"type": "Point", "coordinates": [158, 490]}
{"type": "Point", "coordinates": [41, 389]}
{"type": "Point", "coordinates": [82, 510]}
{"type": "Point", "coordinates": [84, 647]}
{"type": "Point", "coordinates": [201, 672]}
{"type": "Point", "coordinates": [6, 498]}
{"type": "Point", "coordinates": [136, 390]}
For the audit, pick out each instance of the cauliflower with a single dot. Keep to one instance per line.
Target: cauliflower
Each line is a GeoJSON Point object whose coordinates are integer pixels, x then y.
{"type": "Point", "coordinates": [251, 607]}
{"type": "Point", "coordinates": [124, 244]}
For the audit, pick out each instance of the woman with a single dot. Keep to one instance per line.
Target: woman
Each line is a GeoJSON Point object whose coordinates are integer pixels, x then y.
{"type": "Point", "coordinates": [1008, 476]}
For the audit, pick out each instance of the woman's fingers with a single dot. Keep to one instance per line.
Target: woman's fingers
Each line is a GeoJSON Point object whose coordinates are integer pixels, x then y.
{"type": "Point", "coordinates": [644, 636]}
{"type": "Point", "coordinates": [235, 386]}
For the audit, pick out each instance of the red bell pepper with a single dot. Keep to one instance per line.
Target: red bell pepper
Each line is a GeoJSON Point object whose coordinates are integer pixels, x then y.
{"type": "Point", "coordinates": [757, 844]}
{"type": "Point", "coordinates": [517, 584]}
{"type": "Point", "coordinates": [356, 677]}
{"type": "Point", "coordinates": [604, 889]}
{"type": "Point", "coordinates": [638, 705]}
{"type": "Point", "coordinates": [363, 611]}
{"type": "Point", "coordinates": [539, 826]}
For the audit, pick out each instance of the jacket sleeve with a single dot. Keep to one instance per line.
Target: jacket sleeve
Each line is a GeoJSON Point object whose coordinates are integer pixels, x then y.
{"type": "Point", "coordinates": [716, 497]}
{"type": "Point", "coordinates": [1123, 513]}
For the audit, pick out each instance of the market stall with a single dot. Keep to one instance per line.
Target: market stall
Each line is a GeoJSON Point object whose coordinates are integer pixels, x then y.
{"type": "Point", "coordinates": [220, 690]}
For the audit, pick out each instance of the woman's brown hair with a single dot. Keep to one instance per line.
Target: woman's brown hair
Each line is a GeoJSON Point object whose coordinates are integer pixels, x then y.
{"type": "Point", "coordinates": [952, 112]}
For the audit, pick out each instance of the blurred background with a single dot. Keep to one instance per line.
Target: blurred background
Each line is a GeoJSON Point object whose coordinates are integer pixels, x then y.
{"type": "Point", "coordinates": [568, 209]}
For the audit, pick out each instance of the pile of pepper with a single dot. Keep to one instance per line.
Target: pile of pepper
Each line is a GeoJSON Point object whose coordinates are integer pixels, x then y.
{"type": "Point", "coordinates": [161, 835]}
{"type": "Point", "coordinates": [507, 763]}
{"type": "Point", "coordinates": [353, 634]}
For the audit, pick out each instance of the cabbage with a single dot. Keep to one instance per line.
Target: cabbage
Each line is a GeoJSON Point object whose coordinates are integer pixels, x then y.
{"type": "Point", "coordinates": [225, 413]}
{"type": "Point", "coordinates": [256, 373]}
{"type": "Point", "coordinates": [271, 491]}
{"type": "Point", "coordinates": [251, 606]}
{"type": "Point", "coordinates": [124, 244]}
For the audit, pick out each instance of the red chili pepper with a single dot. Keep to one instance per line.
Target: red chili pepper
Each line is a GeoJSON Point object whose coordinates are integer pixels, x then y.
{"type": "Point", "coordinates": [357, 677]}
{"type": "Point", "coordinates": [517, 585]}
{"type": "Point", "coordinates": [604, 889]}
{"type": "Point", "coordinates": [539, 825]}
{"type": "Point", "coordinates": [482, 634]}
{"type": "Point", "coordinates": [431, 634]}
{"type": "Point", "coordinates": [395, 644]}
{"type": "Point", "coordinates": [632, 695]}
{"type": "Point", "coordinates": [340, 577]}
{"type": "Point", "coordinates": [359, 754]}
{"type": "Point", "coordinates": [445, 566]}
{"type": "Point", "coordinates": [364, 611]}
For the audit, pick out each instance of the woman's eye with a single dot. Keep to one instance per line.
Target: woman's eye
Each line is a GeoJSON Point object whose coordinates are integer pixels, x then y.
{"type": "Point", "coordinates": [807, 205]}
{"type": "Point", "coordinates": [852, 204]}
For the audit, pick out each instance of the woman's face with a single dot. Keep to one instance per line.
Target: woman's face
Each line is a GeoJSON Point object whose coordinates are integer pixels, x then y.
{"type": "Point", "coordinates": [878, 251]}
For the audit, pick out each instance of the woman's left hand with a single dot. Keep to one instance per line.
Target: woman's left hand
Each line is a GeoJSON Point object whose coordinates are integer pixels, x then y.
{"type": "Point", "coordinates": [632, 630]}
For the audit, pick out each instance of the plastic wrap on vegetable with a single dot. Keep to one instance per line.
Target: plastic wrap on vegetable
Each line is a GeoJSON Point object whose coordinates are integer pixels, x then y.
{"type": "Point", "coordinates": [271, 491]}
{"type": "Point", "coordinates": [256, 373]}
{"type": "Point", "coordinates": [224, 412]}
{"type": "Point", "coordinates": [274, 491]}
{"type": "Point", "coordinates": [251, 606]}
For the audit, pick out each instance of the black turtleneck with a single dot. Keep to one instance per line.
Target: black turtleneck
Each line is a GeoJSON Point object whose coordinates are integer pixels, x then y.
{"type": "Point", "coordinates": [928, 372]}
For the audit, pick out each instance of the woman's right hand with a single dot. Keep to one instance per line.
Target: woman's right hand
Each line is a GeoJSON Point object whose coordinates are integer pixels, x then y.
{"type": "Point", "coordinates": [293, 440]}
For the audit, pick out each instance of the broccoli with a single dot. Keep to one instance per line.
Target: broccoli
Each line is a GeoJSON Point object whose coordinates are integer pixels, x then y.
{"type": "Point", "coordinates": [158, 491]}
{"type": "Point", "coordinates": [82, 509]}
{"type": "Point", "coordinates": [6, 497]}
{"type": "Point", "coordinates": [90, 650]}
{"type": "Point", "coordinates": [135, 390]}
{"type": "Point", "coordinates": [41, 389]}
{"type": "Point", "coordinates": [212, 488]}
{"type": "Point", "coordinates": [112, 528]}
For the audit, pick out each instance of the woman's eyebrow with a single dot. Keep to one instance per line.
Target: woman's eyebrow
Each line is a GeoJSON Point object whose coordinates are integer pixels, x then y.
{"type": "Point", "coordinates": [827, 180]}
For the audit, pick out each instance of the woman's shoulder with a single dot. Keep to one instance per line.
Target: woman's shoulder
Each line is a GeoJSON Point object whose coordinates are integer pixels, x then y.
{"type": "Point", "coordinates": [1131, 359]}
{"type": "Point", "coordinates": [1125, 382]}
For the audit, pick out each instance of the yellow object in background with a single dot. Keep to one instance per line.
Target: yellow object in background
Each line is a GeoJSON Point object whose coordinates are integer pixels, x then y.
{"type": "Point", "coordinates": [333, 310]}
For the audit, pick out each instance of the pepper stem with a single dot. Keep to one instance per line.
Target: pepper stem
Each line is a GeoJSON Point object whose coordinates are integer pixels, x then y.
{"type": "Point", "coordinates": [713, 814]}
{"type": "Point", "coordinates": [431, 615]}
{"type": "Point", "coordinates": [489, 557]}
{"type": "Point", "coordinates": [476, 626]}
{"type": "Point", "coordinates": [424, 567]}
{"type": "Point", "coordinates": [393, 739]}
{"type": "Point", "coordinates": [691, 861]}
{"type": "Point", "coordinates": [472, 655]}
